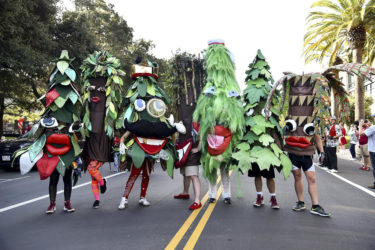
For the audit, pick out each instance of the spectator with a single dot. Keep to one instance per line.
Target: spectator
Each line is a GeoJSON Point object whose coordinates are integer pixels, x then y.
{"type": "Point", "coordinates": [353, 133]}
{"type": "Point", "coordinates": [363, 146]}
{"type": "Point", "coordinates": [343, 141]}
{"type": "Point", "coordinates": [331, 146]}
{"type": "Point", "coordinates": [370, 133]}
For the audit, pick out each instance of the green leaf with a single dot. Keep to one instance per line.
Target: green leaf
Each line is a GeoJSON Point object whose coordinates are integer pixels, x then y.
{"type": "Point", "coordinates": [60, 101]}
{"type": "Point", "coordinates": [266, 73]}
{"type": "Point", "coordinates": [253, 94]}
{"type": "Point", "coordinates": [62, 66]}
{"type": "Point", "coordinates": [137, 155]}
{"type": "Point", "coordinates": [61, 168]}
{"type": "Point", "coordinates": [71, 74]}
{"type": "Point", "coordinates": [150, 89]}
{"type": "Point", "coordinates": [259, 83]}
{"type": "Point", "coordinates": [37, 146]}
{"type": "Point", "coordinates": [265, 158]}
{"type": "Point", "coordinates": [142, 88]}
{"type": "Point", "coordinates": [170, 164]}
{"type": "Point", "coordinates": [260, 64]}
{"type": "Point", "coordinates": [266, 139]}
{"type": "Point", "coordinates": [276, 149]}
{"type": "Point", "coordinates": [116, 79]}
{"type": "Point", "coordinates": [254, 74]}
{"type": "Point", "coordinates": [109, 71]}
{"type": "Point", "coordinates": [243, 146]}
{"type": "Point", "coordinates": [286, 164]}
{"type": "Point", "coordinates": [244, 160]}
{"type": "Point", "coordinates": [260, 125]}
{"type": "Point", "coordinates": [260, 55]}
{"type": "Point", "coordinates": [73, 97]}
{"type": "Point", "coordinates": [76, 147]}
{"type": "Point", "coordinates": [66, 82]}
{"type": "Point", "coordinates": [250, 137]}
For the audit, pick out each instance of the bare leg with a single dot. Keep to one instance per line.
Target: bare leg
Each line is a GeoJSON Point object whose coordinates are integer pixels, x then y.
{"type": "Point", "coordinates": [258, 183]}
{"type": "Point", "coordinates": [271, 185]}
{"type": "Point", "coordinates": [186, 184]}
{"type": "Point", "coordinates": [298, 185]}
{"type": "Point", "coordinates": [197, 188]}
{"type": "Point", "coordinates": [312, 187]}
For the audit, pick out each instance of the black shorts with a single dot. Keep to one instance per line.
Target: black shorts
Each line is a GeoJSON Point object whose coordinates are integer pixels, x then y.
{"type": "Point", "coordinates": [269, 174]}
{"type": "Point", "coordinates": [301, 161]}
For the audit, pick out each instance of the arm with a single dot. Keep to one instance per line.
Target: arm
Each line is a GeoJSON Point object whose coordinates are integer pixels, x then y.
{"type": "Point", "coordinates": [124, 136]}
{"type": "Point", "coordinates": [197, 149]}
{"type": "Point", "coordinates": [319, 143]}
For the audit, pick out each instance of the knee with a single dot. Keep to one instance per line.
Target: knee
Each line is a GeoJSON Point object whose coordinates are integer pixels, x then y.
{"type": "Point", "coordinates": [311, 179]}
{"type": "Point", "coordinates": [297, 176]}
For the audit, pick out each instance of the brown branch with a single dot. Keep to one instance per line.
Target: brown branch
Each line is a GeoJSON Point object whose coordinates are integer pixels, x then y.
{"type": "Point", "coordinates": [186, 90]}
{"type": "Point", "coordinates": [192, 80]}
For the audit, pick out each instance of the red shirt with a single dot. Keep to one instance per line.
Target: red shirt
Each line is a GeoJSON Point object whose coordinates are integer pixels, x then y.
{"type": "Point", "coordinates": [363, 139]}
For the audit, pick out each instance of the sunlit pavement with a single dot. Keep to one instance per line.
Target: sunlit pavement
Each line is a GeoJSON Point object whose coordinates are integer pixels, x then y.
{"type": "Point", "coordinates": [24, 225]}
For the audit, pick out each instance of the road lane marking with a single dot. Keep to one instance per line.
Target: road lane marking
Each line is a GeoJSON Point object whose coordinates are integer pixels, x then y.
{"type": "Point", "coordinates": [202, 223]}
{"type": "Point", "coordinates": [183, 229]}
{"type": "Point", "coordinates": [14, 179]}
{"type": "Point", "coordinates": [353, 184]}
{"type": "Point", "coordinates": [46, 196]}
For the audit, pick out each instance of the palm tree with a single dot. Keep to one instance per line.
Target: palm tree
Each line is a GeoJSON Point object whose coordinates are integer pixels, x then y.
{"type": "Point", "coordinates": [346, 25]}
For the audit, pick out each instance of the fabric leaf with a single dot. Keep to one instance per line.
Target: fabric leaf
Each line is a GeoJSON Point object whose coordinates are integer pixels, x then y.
{"type": "Point", "coordinates": [250, 137]}
{"type": "Point", "coordinates": [62, 66]}
{"type": "Point", "coordinates": [266, 139]}
{"type": "Point", "coordinates": [137, 155]}
{"type": "Point", "coordinates": [276, 149]}
{"type": "Point", "coordinates": [71, 74]}
{"type": "Point", "coordinates": [37, 146]}
{"type": "Point", "coordinates": [265, 158]}
{"type": "Point", "coordinates": [286, 164]}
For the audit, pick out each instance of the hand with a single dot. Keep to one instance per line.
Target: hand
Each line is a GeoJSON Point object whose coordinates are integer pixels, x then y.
{"type": "Point", "coordinates": [322, 155]}
{"type": "Point", "coordinates": [194, 150]}
{"type": "Point", "coordinates": [123, 148]}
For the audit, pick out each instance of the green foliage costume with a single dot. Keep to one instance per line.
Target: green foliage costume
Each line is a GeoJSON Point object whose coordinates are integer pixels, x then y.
{"type": "Point", "coordinates": [259, 142]}
{"type": "Point", "coordinates": [219, 111]}
{"type": "Point", "coordinates": [56, 145]}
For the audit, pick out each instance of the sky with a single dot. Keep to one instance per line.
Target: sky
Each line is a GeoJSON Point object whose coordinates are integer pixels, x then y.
{"type": "Point", "coordinates": [276, 27]}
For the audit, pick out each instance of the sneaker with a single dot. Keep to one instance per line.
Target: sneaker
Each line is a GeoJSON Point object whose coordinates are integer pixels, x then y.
{"type": "Point", "coordinates": [367, 169]}
{"type": "Point", "coordinates": [362, 167]}
{"type": "Point", "coordinates": [51, 208]}
{"type": "Point", "coordinates": [227, 201]}
{"type": "Point", "coordinates": [324, 168]}
{"type": "Point", "coordinates": [211, 200]}
{"type": "Point", "coordinates": [259, 202]}
{"type": "Point", "coordinates": [274, 204]}
{"type": "Point", "coordinates": [96, 204]}
{"type": "Point", "coordinates": [320, 211]}
{"type": "Point", "coordinates": [123, 203]}
{"type": "Point", "coordinates": [144, 202]}
{"type": "Point", "coordinates": [182, 196]}
{"type": "Point", "coordinates": [333, 171]}
{"type": "Point", "coordinates": [195, 206]}
{"type": "Point", "coordinates": [353, 159]}
{"type": "Point", "coordinates": [372, 186]}
{"type": "Point", "coordinates": [300, 205]}
{"type": "Point", "coordinates": [68, 207]}
{"type": "Point", "coordinates": [104, 187]}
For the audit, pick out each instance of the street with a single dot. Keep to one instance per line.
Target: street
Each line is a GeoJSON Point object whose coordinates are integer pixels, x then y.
{"type": "Point", "coordinates": [169, 223]}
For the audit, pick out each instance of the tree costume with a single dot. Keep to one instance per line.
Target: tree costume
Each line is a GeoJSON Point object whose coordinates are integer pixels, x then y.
{"type": "Point", "coordinates": [147, 135]}
{"type": "Point", "coordinates": [102, 83]}
{"type": "Point", "coordinates": [260, 148]}
{"type": "Point", "coordinates": [219, 112]}
{"type": "Point", "coordinates": [56, 147]}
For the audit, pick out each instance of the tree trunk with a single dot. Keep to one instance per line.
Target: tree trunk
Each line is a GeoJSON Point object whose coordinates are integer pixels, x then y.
{"type": "Point", "coordinates": [359, 89]}
{"type": "Point", "coordinates": [2, 106]}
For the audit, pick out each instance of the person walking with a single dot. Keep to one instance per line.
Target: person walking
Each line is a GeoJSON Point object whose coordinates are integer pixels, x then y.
{"type": "Point", "coordinates": [331, 145]}
{"type": "Point", "coordinates": [363, 144]}
{"type": "Point", "coordinates": [370, 133]}
{"type": "Point", "coordinates": [353, 133]}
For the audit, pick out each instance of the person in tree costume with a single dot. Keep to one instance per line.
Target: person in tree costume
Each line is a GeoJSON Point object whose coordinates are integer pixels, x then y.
{"type": "Point", "coordinates": [102, 83]}
{"type": "Point", "coordinates": [148, 132]}
{"type": "Point", "coordinates": [189, 79]}
{"type": "Point", "coordinates": [56, 148]}
{"type": "Point", "coordinates": [218, 114]}
{"type": "Point", "coordinates": [260, 149]}
{"type": "Point", "coordinates": [307, 109]}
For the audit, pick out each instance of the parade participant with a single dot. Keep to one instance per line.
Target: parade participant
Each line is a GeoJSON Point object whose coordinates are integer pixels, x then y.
{"type": "Point", "coordinates": [333, 135]}
{"type": "Point", "coordinates": [148, 132]}
{"type": "Point", "coordinates": [307, 110]}
{"type": "Point", "coordinates": [101, 76]}
{"type": "Point", "coordinates": [56, 147]}
{"type": "Point", "coordinates": [219, 113]}
{"type": "Point", "coordinates": [260, 149]}
{"type": "Point", "coordinates": [188, 70]}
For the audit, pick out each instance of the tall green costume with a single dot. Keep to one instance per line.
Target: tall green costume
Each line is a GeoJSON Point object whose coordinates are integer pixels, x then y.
{"type": "Point", "coordinates": [219, 112]}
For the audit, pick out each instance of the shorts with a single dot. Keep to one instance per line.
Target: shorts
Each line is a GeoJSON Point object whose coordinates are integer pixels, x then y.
{"type": "Point", "coordinates": [364, 150]}
{"type": "Point", "coordinates": [268, 174]}
{"type": "Point", "coordinates": [302, 161]}
{"type": "Point", "coordinates": [190, 170]}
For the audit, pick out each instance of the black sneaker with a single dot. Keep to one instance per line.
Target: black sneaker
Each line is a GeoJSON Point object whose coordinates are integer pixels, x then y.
{"type": "Point", "coordinates": [320, 211]}
{"type": "Point", "coordinates": [96, 204]}
{"type": "Point", "coordinates": [227, 201]}
{"type": "Point", "coordinates": [300, 205]}
{"type": "Point", "coordinates": [211, 200]}
{"type": "Point", "coordinates": [104, 187]}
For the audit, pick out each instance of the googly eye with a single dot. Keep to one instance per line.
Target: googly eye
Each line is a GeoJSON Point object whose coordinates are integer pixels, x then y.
{"type": "Point", "coordinates": [233, 93]}
{"type": "Point", "coordinates": [156, 107]}
{"type": "Point", "coordinates": [308, 129]}
{"type": "Point", "coordinates": [250, 112]}
{"type": "Point", "coordinates": [139, 105]}
{"type": "Point", "coordinates": [266, 112]}
{"type": "Point", "coordinates": [101, 89]}
{"type": "Point", "coordinates": [209, 91]}
{"type": "Point", "coordinates": [290, 125]}
{"type": "Point", "coordinates": [91, 88]}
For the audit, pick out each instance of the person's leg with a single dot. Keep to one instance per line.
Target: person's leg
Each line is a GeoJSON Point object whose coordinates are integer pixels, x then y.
{"type": "Point", "coordinates": [186, 180]}
{"type": "Point", "coordinates": [312, 187]}
{"type": "Point", "coordinates": [298, 185]}
{"type": "Point", "coordinates": [212, 191]}
{"type": "Point", "coordinates": [366, 160]}
{"type": "Point", "coordinates": [334, 160]}
{"type": "Point", "coordinates": [68, 190]}
{"type": "Point", "coordinates": [197, 188]}
{"type": "Point", "coordinates": [146, 171]}
{"type": "Point", "coordinates": [93, 169]}
{"type": "Point", "coordinates": [352, 150]}
{"type": "Point", "coordinates": [131, 180]}
{"type": "Point", "coordinates": [225, 180]}
{"type": "Point", "coordinates": [271, 185]}
{"type": "Point", "coordinates": [372, 159]}
{"type": "Point", "coordinates": [258, 184]}
{"type": "Point", "coordinates": [95, 188]}
{"type": "Point", "coordinates": [52, 188]}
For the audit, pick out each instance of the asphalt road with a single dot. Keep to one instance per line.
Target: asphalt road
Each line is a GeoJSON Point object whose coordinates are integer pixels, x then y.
{"type": "Point", "coordinates": [24, 225]}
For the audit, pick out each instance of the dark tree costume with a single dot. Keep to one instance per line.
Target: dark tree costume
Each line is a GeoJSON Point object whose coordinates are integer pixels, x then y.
{"type": "Point", "coordinates": [147, 135]}
{"type": "Point", "coordinates": [56, 147]}
{"type": "Point", "coordinates": [101, 75]}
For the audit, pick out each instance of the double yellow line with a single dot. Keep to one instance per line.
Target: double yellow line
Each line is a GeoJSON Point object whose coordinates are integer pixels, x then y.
{"type": "Point", "coordinates": [200, 226]}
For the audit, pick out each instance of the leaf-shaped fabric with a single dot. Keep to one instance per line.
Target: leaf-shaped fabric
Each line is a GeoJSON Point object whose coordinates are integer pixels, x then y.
{"type": "Point", "coordinates": [137, 155]}
{"type": "Point", "coordinates": [37, 146]}
{"type": "Point", "coordinates": [62, 66]}
{"type": "Point", "coordinates": [71, 74]}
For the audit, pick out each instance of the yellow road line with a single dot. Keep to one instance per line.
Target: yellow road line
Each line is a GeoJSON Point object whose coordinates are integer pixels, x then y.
{"type": "Point", "coordinates": [202, 223]}
{"type": "Point", "coordinates": [182, 231]}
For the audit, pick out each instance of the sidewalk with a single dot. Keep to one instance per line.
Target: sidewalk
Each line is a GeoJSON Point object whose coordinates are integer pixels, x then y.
{"type": "Point", "coordinates": [345, 155]}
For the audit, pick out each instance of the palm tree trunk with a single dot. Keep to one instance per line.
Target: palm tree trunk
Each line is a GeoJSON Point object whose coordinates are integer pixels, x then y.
{"type": "Point", "coordinates": [359, 89]}
{"type": "Point", "coordinates": [2, 107]}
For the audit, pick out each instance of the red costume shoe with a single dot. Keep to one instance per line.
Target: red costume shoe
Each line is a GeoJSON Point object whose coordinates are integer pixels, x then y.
{"type": "Point", "coordinates": [182, 196]}
{"type": "Point", "coordinates": [195, 206]}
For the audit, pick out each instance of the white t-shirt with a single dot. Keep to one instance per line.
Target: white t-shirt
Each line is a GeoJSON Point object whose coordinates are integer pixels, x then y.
{"type": "Point", "coordinates": [370, 133]}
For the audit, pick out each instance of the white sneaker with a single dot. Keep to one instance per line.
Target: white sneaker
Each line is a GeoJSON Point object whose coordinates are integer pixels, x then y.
{"type": "Point", "coordinates": [353, 159]}
{"type": "Point", "coordinates": [144, 202]}
{"type": "Point", "coordinates": [324, 168]}
{"type": "Point", "coordinates": [333, 171]}
{"type": "Point", "coordinates": [180, 128]}
{"type": "Point", "coordinates": [123, 203]}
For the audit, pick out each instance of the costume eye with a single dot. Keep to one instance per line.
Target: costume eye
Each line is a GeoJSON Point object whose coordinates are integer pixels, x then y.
{"type": "Point", "coordinates": [291, 125]}
{"type": "Point", "coordinates": [139, 105]}
{"type": "Point", "coordinates": [49, 122]}
{"type": "Point", "coordinates": [268, 112]}
{"type": "Point", "coordinates": [308, 129]}
{"type": "Point", "coordinates": [90, 88]}
{"type": "Point", "coordinates": [101, 89]}
{"type": "Point", "coordinates": [209, 91]}
{"type": "Point", "coordinates": [156, 107]}
{"type": "Point", "coordinates": [250, 112]}
{"type": "Point", "coordinates": [233, 93]}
